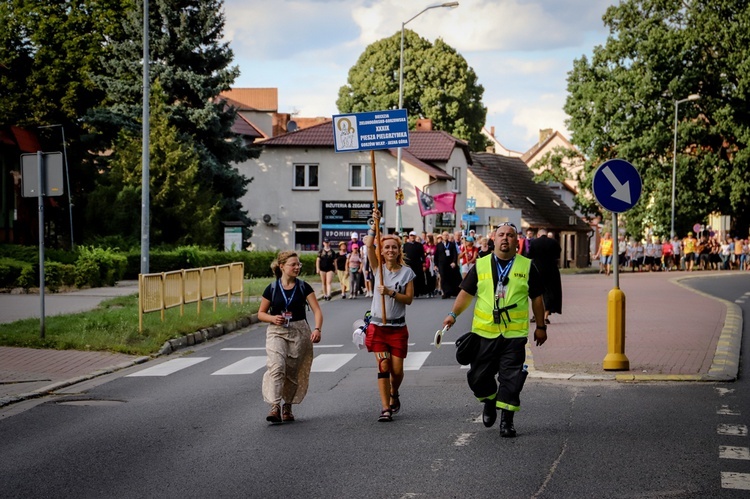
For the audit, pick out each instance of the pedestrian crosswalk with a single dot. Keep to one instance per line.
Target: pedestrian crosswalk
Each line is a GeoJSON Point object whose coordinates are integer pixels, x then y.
{"type": "Point", "coordinates": [322, 363]}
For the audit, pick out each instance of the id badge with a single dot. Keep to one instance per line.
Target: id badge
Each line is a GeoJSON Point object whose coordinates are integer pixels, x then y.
{"type": "Point", "coordinates": [287, 318]}
{"type": "Point", "coordinates": [500, 291]}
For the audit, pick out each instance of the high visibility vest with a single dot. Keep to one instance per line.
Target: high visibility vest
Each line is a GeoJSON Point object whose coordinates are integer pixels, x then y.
{"type": "Point", "coordinates": [516, 292]}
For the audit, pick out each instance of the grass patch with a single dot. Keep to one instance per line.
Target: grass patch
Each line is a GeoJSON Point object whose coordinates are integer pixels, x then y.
{"type": "Point", "coordinates": [113, 326]}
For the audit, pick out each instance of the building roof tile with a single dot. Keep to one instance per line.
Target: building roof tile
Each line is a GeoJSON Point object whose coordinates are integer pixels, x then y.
{"type": "Point", "coordinates": [253, 99]}
{"type": "Point", "coordinates": [512, 181]}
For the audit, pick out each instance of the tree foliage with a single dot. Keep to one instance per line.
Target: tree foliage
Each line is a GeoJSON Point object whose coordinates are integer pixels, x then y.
{"type": "Point", "coordinates": [49, 51]}
{"type": "Point", "coordinates": [621, 104]}
{"type": "Point", "coordinates": [181, 211]}
{"type": "Point", "coordinates": [193, 66]}
{"type": "Point", "coordinates": [438, 84]}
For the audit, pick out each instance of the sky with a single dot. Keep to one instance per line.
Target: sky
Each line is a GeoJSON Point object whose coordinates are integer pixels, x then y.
{"type": "Point", "coordinates": [521, 51]}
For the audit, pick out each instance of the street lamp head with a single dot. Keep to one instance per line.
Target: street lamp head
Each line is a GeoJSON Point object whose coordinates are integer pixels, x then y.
{"type": "Point", "coordinates": [450, 4]}
{"type": "Point", "coordinates": [693, 97]}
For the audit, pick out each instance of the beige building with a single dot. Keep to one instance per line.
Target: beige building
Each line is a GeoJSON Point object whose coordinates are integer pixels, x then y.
{"type": "Point", "coordinates": [302, 191]}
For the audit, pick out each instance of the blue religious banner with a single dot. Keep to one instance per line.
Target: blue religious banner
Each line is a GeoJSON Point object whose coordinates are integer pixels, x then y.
{"type": "Point", "coordinates": [369, 131]}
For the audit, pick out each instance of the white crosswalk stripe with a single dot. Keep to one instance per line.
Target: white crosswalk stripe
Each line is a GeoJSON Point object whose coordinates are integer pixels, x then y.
{"type": "Point", "coordinates": [248, 365]}
{"type": "Point", "coordinates": [414, 360]}
{"type": "Point", "coordinates": [169, 367]}
{"type": "Point", "coordinates": [330, 362]}
{"type": "Point", "coordinates": [324, 362]}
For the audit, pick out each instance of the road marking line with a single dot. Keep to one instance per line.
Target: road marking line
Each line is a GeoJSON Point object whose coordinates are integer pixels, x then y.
{"type": "Point", "coordinates": [730, 452]}
{"type": "Point", "coordinates": [726, 411]}
{"type": "Point", "coordinates": [248, 365]}
{"type": "Point", "coordinates": [739, 430]}
{"type": "Point", "coordinates": [330, 362]}
{"type": "Point", "coordinates": [169, 367]}
{"type": "Point", "coordinates": [724, 391]}
{"type": "Point", "coordinates": [415, 360]}
{"type": "Point", "coordinates": [739, 301]}
{"type": "Point", "coordinates": [263, 349]}
{"type": "Point", "coordinates": [463, 439]}
{"type": "Point", "coordinates": [730, 480]}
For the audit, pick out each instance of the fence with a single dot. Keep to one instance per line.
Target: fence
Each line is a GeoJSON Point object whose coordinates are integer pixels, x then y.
{"type": "Point", "coordinates": [158, 292]}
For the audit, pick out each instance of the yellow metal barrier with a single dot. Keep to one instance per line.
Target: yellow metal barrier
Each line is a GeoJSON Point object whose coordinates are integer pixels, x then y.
{"type": "Point", "coordinates": [158, 292]}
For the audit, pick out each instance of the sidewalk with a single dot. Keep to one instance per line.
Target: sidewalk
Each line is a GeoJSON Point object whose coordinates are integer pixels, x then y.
{"type": "Point", "coordinates": [665, 339]}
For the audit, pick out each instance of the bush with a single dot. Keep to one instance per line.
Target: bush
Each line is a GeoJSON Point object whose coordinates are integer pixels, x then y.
{"type": "Point", "coordinates": [29, 277]}
{"type": "Point", "coordinates": [10, 271]}
{"type": "Point", "coordinates": [57, 275]}
{"type": "Point", "coordinates": [97, 267]}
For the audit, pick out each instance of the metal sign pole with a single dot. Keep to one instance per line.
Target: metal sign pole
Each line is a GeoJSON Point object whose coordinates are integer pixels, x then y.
{"type": "Point", "coordinates": [40, 197]}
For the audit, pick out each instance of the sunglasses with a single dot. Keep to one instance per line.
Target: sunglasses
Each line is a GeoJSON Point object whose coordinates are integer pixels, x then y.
{"type": "Point", "coordinates": [506, 224]}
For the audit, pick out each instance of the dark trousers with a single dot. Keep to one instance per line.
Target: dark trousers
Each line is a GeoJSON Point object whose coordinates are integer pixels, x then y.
{"type": "Point", "coordinates": [503, 359]}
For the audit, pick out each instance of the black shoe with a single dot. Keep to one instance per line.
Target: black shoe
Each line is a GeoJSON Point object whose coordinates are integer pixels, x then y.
{"type": "Point", "coordinates": [489, 414]}
{"type": "Point", "coordinates": [507, 430]}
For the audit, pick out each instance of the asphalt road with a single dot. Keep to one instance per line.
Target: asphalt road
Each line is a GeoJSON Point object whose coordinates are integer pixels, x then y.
{"type": "Point", "coordinates": [198, 433]}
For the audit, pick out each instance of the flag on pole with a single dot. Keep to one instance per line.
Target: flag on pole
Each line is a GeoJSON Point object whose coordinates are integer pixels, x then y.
{"type": "Point", "coordinates": [439, 203]}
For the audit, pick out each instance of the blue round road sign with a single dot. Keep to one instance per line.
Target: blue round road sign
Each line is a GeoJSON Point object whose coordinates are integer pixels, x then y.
{"type": "Point", "coordinates": [617, 185]}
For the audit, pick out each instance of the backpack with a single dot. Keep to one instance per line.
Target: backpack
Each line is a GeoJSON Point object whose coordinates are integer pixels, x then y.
{"type": "Point", "coordinates": [300, 284]}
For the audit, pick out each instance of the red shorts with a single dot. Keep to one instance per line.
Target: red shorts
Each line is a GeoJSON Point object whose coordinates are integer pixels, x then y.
{"type": "Point", "coordinates": [387, 339]}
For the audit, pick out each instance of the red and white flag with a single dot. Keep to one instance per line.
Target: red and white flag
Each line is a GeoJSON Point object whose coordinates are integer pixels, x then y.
{"type": "Point", "coordinates": [439, 203]}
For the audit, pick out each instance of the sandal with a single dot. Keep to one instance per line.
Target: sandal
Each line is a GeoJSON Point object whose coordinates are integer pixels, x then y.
{"type": "Point", "coordinates": [286, 413]}
{"type": "Point", "coordinates": [397, 405]}
{"type": "Point", "coordinates": [385, 416]}
{"type": "Point", "coordinates": [274, 415]}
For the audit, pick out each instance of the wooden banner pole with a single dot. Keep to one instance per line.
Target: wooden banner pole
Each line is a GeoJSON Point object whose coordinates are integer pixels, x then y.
{"type": "Point", "coordinates": [378, 249]}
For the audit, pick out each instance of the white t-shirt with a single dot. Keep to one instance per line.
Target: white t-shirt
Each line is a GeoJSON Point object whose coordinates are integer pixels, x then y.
{"type": "Point", "coordinates": [394, 310]}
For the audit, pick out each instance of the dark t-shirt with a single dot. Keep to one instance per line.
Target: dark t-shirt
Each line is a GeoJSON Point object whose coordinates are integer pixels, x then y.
{"type": "Point", "coordinates": [327, 259]}
{"type": "Point", "coordinates": [297, 297]}
{"type": "Point", "coordinates": [341, 261]}
{"type": "Point", "coordinates": [471, 281]}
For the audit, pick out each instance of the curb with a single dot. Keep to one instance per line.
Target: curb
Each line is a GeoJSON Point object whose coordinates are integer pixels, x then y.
{"type": "Point", "coordinates": [724, 367]}
{"type": "Point", "coordinates": [47, 390]}
{"type": "Point", "coordinates": [169, 346]}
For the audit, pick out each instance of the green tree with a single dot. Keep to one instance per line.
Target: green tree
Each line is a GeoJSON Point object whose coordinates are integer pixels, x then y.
{"type": "Point", "coordinates": [438, 84]}
{"type": "Point", "coordinates": [48, 52]}
{"type": "Point", "coordinates": [621, 104]}
{"type": "Point", "coordinates": [181, 211]}
{"type": "Point", "coordinates": [193, 66]}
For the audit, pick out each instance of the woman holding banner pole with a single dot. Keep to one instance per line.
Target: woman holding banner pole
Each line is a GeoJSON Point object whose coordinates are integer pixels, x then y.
{"type": "Point", "coordinates": [388, 337]}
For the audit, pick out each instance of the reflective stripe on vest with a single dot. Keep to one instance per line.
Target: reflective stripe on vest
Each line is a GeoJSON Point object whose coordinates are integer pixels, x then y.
{"type": "Point", "coordinates": [516, 292]}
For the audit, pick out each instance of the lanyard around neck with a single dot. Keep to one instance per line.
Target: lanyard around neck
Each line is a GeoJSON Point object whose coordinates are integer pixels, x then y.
{"type": "Point", "coordinates": [502, 273]}
{"type": "Point", "coordinates": [287, 301]}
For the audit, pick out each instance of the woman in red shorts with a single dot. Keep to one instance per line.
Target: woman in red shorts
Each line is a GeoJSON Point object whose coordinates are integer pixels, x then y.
{"type": "Point", "coordinates": [388, 338]}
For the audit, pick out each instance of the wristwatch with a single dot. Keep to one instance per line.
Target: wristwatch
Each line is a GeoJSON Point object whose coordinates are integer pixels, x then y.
{"type": "Point", "coordinates": [543, 328]}
{"type": "Point", "coordinates": [393, 294]}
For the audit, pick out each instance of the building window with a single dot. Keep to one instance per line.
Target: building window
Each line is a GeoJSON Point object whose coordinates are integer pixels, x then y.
{"type": "Point", "coordinates": [360, 177]}
{"type": "Point", "coordinates": [306, 236]}
{"type": "Point", "coordinates": [306, 176]}
{"type": "Point", "coordinates": [456, 179]}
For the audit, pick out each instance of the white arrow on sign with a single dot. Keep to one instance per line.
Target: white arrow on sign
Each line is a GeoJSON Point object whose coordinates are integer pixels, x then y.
{"type": "Point", "coordinates": [622, 191]}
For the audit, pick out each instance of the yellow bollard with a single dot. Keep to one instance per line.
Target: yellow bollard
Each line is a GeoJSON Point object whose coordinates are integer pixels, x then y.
{"type": "Point", "coordinates": [616, 359]}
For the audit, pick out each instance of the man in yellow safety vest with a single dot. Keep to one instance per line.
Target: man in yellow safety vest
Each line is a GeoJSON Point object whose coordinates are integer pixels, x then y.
{"type": "Point", "coordinates": [502, 282]}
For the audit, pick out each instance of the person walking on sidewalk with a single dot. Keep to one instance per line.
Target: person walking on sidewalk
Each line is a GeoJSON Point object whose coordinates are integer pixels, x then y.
{"type": "Point", "coordinates": [503, 283]}
{"type": "Point", "coordinates": [388, 338]}
{"type": "Point", "coordinates": [289, 341]}
{"type": "Point", "coordinates": [545, 252]}
{"type": "Point", "coordinates": [342, 272]}
{"type": "Point", "coordinates": [605, 251]}
{"type": "Point", "coordinates": [324, 265]}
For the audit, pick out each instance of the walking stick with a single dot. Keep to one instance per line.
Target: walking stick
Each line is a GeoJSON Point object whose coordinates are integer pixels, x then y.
{"type": "Point", "coordinates": [378, 251]}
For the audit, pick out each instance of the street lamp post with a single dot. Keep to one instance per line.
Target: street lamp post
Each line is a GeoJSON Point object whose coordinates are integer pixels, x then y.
{"type": "Point", "coordinates": [677, 103]}
{"type": "Point", "coordinates": [401, 94]}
